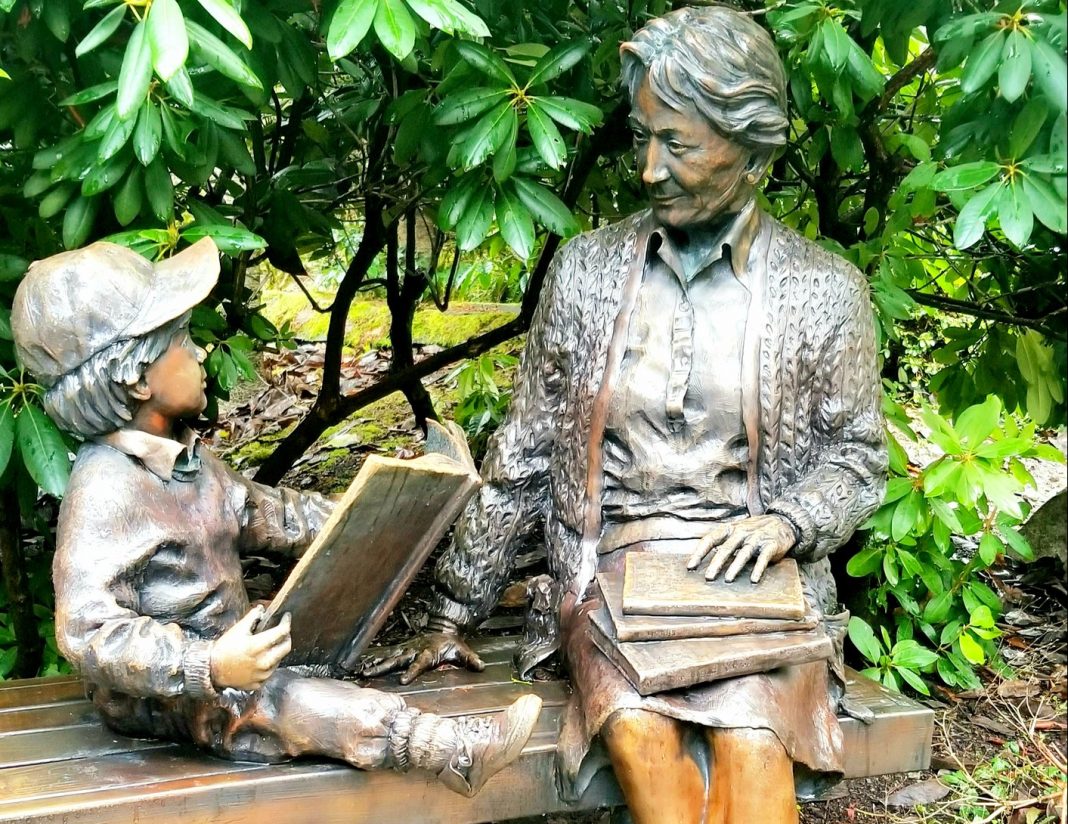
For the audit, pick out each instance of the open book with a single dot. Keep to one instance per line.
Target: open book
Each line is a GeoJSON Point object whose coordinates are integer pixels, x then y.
{"type": "Point", "coordinates": [389, 520]}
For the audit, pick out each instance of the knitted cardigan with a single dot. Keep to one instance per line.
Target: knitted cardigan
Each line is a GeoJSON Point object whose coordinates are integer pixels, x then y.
{"type": "Point", "coordinates": [811, 406]}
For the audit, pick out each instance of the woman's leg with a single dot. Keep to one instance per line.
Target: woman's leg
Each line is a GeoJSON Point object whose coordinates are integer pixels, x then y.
{"type": "Point", "coordinates": [663, 779]}
{"type": "Point", "coordinates": [752, 778]}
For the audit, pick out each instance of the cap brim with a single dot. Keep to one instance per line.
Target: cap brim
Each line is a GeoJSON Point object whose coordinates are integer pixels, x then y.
{"type": "Point", "coordinates": [180, 283]}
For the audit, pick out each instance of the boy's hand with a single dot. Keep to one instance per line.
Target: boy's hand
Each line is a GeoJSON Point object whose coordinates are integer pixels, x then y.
{"type": "Point", "coordinates": [244, 659]}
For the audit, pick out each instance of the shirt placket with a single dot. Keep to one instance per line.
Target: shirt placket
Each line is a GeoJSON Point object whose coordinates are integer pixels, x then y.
{"type": "Point", "coordinates": [681, 361]}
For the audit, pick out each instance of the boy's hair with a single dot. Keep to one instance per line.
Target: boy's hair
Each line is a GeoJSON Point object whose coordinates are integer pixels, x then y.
{"type": "Point", "coordinates": [94, 398]}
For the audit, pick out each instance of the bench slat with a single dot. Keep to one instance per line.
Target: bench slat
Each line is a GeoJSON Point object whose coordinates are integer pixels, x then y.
{"type": "Point", "coordinates": [291, 794]}
{"type": "Point", "coordinates": [75, 770]}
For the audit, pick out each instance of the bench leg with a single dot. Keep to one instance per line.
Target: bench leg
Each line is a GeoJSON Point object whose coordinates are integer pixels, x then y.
{"type": "Point", "coordinates": [669, 772]}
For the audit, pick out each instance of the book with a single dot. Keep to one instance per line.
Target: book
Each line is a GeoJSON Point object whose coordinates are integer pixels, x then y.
{"type": "Point", "coordinates": [388, 521]}
{"type": "Point", "coordinates": [659, 666]}
{"type": "Point", "coordinates": [663, 627]}
{"type": "Point", "coordinates": [660, 584]}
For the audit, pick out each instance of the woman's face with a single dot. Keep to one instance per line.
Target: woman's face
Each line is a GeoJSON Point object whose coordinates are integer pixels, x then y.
{"type": "Point", "coordinates": [694, 175]}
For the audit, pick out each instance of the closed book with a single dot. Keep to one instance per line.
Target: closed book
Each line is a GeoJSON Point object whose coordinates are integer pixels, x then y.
{"type": "Point", "coordinates": [659, 666]}
{"type": "Point", "coordinates": [664, 627]}
{"type": "Point", "coordinates": [660, 584]}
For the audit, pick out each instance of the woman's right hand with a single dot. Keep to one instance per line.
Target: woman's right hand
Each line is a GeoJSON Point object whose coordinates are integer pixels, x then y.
{"type": "Point", "coordinates": [441, 644]}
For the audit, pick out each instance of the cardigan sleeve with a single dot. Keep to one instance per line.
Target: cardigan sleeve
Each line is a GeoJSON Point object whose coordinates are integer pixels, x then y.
{"type": "Point", "coordinates": [472, 573]}
{"type": "Point", "coordinates": [846, 474]}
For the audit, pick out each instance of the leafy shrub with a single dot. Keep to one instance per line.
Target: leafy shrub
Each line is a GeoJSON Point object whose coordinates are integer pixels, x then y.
{"type": "Point", "coordinates": [939, 528]}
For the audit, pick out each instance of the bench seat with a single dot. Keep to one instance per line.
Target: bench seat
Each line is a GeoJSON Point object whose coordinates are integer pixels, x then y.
{"type": "Point", "coordinates": [58, 763]}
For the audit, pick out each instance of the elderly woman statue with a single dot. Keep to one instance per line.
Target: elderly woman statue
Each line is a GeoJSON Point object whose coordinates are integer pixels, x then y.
{"type": "Point", "coordinates": [698, 379]}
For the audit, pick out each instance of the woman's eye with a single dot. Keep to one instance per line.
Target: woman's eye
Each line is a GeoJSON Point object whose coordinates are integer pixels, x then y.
{"type": "Point", "coordinates": [676, 147]}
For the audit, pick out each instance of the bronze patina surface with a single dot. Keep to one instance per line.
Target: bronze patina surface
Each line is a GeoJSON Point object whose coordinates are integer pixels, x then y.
{"type": "Point", "coordinates": [698, 379]}
{"type": "Point", "coordinates": [151, 606]}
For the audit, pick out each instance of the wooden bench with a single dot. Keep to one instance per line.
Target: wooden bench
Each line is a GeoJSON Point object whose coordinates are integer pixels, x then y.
{"type": "Point", "coordinates": [58, 763]}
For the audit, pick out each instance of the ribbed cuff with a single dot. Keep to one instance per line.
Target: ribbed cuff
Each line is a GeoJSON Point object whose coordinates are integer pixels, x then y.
{"type": "Point", "coordinates": [802, 523]}
{"type": "Point", "coordinates": [196, 666]}
{"type": "Point", "coordinates": [441, 606]}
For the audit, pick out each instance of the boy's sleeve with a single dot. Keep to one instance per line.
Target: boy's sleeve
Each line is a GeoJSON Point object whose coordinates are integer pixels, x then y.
{"type": "Point", "coordinates": [277, 519]}
{"type": "Point", "coordinates": [98, 628]}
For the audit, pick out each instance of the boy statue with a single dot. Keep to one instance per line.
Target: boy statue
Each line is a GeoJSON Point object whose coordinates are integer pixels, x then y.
{"type": "Point", "coordinates": [150, 602]}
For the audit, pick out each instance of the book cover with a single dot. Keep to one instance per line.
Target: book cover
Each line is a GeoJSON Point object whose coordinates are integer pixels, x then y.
{"type": "Point", "coordinates": [659, 666]}
{"type": "Point", "coordinates": [664, 627]}
{"type": "Point", "coordinates": [388, 521]}
{"type": "Point", "coordinates": [660, 584]}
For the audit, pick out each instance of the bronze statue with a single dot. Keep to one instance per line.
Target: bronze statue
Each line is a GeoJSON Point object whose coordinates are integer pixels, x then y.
{"type": "Point", "coordinates": [698, 379]}
{"type": "Point", "coordinates": [150, 602]}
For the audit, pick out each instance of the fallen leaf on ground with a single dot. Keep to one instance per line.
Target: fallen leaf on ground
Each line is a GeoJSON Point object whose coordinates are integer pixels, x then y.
{"type": "Point", "coordinates": [926, 792]}
{"type": "Point", "coordinates": [991, 724]}
{"type": "Point", "coordinates": [1018, 688]}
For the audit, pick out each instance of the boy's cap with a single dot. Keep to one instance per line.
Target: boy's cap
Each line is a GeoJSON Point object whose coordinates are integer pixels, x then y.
{"type": "Point", "coordinates": [72, 305]}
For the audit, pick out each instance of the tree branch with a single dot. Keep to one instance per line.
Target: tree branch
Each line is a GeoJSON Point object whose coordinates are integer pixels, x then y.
{"type": "Point", "coordinates": [962, 307]}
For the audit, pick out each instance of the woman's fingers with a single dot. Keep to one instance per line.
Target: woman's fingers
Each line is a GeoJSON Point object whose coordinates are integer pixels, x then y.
{"type": "Point", "coordinates": [716, 535]}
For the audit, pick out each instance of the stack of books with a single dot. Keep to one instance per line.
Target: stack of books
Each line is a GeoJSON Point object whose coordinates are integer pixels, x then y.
{"type": "Point", "coordinates": [666, 627]}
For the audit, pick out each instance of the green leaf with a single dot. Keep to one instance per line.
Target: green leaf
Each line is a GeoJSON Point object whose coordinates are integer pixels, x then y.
{"type": "Point", "coordinates": [467, 104]}
{"type": "Point", "coordinates": [504, 158]}
{"type": "Point", "coordinates": [971, 222]}
{"type": "Point", "coordinates": [474, 223]}
{"type": "Point", "coordinates": [964, 176]}
{"type": "Point", "coordinates": [1016, 541]}
{"type": "Point", "coordinates": [1045, 203]}
{"type": "Point", "coordinates": [913, 680]}
{"type": "Point", "coordinates": [395, 28]}
{"type": "Point", "coordinates": [846, 148]}
{"type": "Point", "coordinates": [229, 19]}
{"type": "Point", "coordinates": [54, 201]}
{"type": "Point", "coordinates": [557, 61]}
{"type": "Point", "coordinates": [160, 191]}
{"type": "Point", "coordinates": [910, 654]}
{"type": "Point", "coordinates": [545, 136]}
{"type": "Point", "coordinates": [167, 38]}
{"type": "Point", "coordinates": [12, 267]}
{"type": "Point", "coordinates": [975, 423]}
{"type": "Point", "coordinates": [181, 88]}
{"type": "Point", "coordinates": [43, 451]}
{"type": "Point", "coordinates": [220, 57]}
{"type": "Point", "coordinates": [102, 30]}
{"type": "Point", "coordinates": [937, 609]}
{"type": "Point", "coordinates": [1051, 73]}
{"type": "Point", "coordinates": [115, 138]}
{"type": "Point", "coordinates": [135, 74]}
{"type": "Point", "coordinates": [485, 61]}
{"type": "Point", "coordinates": [128, 198]}
{"type": "Point", "coordinates": [546, 207]}
{"type": "Point", "coordinates": [1027, 125]}
{"type": "Point", "coordinates": [7, 434]}
{"type": "Point", "coordinates": [989, 547]}
{"type": "Point", "coordinates": [983, 62]}
{"type": "Point", "coordinates": [836, 43]}
{"type": "Point", "coordinates": [225, 116]}
{"type": "Point", "coordinates": [349, 26]}
{"type": "Point", "coordinates": [865, 562]}
{"type": "Point", "coordinates": [863, 638]}
{"type": "Point", "coordinates": [514, 222]}
{"type": "Point", "coordinates": [90, 94]}
{"type": "Point", "coordinates": [966, 26]}
{"type": "Point", "coordinates": [1047, 164]}
{"type": "Point", "coordinates": [450, 17]}
{"type": "Point", "coordinates": [487, 135]}
{"type": "Point", "coordinates": [454, 204]}
{"type": "Point", "coordinates": [971, 649]}
{"type": "Point", "coordinates": [230, 239]}
{"type": "Point", "coordinates": [78, 221]}
{"type": "Point", "coordinates": [570, 113]}
{"type": "Point", "coordinates": [148, 135]}
{"type": "Point", "coordinates": [905, 515]}
{"type": "Point", "coordinates": [1015, 69]}
{"type": "Point", "coordinates": [1015, 214]}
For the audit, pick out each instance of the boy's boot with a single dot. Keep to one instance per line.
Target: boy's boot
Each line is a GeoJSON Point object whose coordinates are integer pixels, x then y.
{"type": "Point", "coordinates": [464, 752]}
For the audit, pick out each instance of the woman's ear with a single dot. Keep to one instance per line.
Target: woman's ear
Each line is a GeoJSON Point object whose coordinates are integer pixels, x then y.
{"type": "Point", "coordinates": [757, 166]}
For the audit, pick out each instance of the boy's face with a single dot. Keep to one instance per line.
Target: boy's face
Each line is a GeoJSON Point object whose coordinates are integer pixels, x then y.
{"type": "Point", "coordinates": [176, 380]}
